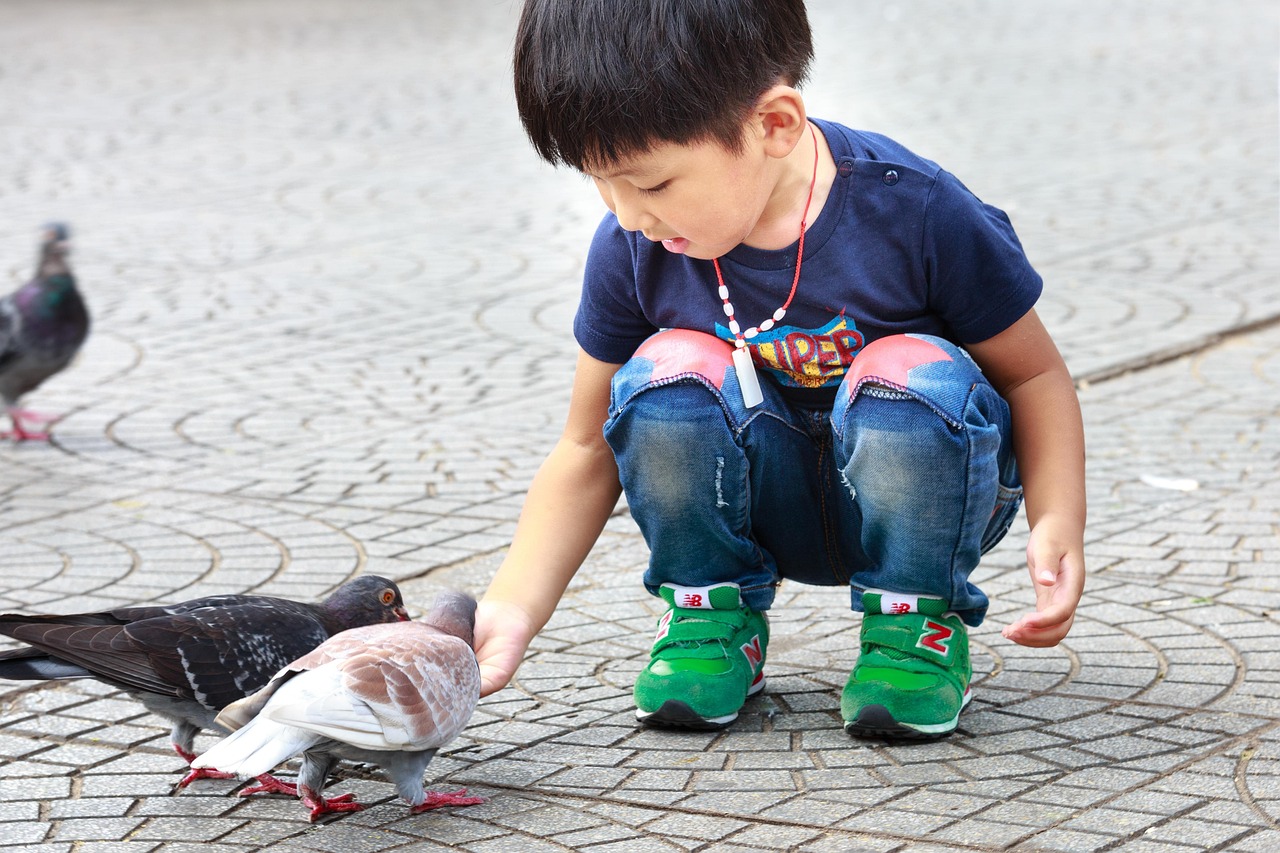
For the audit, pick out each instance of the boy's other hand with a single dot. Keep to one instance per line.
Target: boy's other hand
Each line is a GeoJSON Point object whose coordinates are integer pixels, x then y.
{"type": "Point", "coordinates": [1055, 560]}
{"type": "Point", "coordinates": [502, 635]}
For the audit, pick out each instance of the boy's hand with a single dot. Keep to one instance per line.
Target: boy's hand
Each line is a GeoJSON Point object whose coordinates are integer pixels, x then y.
{"type": "Point", "coordinates": [1055, 560]}
{"type": "Point", "coordinates": [502, 635]}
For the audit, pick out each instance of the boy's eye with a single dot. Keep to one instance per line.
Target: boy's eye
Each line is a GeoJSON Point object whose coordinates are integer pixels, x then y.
{"type": "Point", "coordinates": [654, 190]}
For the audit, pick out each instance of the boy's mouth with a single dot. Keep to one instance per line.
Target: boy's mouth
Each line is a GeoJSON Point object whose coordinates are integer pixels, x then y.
{"type": "Point", "coordinates": [676, 245]}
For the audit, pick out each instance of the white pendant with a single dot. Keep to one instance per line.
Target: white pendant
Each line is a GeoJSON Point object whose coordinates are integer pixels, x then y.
{"type": "Point", "coordinates": [747, 379]}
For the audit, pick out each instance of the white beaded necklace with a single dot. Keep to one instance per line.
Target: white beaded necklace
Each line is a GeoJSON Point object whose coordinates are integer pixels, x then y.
{"type": "Point", "coordinates": [742, 364]}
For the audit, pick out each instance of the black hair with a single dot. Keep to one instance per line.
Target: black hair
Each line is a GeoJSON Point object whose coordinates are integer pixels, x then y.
{"type": "Point", "coordinates": [600, 80]}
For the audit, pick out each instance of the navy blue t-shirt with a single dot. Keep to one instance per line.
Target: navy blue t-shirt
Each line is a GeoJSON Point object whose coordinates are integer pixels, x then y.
{"type": "Point", "coordinates": [900, 246]}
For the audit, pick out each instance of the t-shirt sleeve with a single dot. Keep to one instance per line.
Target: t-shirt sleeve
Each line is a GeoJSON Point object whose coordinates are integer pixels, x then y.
{"type": "Point", "coordinates": [610, 323]}
{"type": "Point", "coordinates": [978, 275]}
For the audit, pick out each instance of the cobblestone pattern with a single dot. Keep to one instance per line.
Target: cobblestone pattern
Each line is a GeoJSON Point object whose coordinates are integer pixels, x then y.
{"type": "Point", "coordinates": [332, 290]}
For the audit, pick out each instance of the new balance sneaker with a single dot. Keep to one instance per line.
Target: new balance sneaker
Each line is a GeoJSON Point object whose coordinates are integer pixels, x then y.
{"type": "Point", "coordinates": [912, 677]}
{"type": "Point", "coordinates": [707, 658]}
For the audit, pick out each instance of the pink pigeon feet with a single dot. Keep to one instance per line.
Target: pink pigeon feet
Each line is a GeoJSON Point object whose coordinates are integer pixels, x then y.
{"type": "Point", "coordinates": [436, 800]}
{"type": "Point", "coordinates": [318, 805]}
{"type": "Point", "coordinates": [204, 773]}
{"type": "Point", "coordinates": [268, 784]}
{"type": "Point", "coordinates": [20, 432]}
{"type": "Point", "coordinates": [201, 773]}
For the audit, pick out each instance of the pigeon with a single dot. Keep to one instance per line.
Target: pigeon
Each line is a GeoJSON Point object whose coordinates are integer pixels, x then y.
{"type": "Point", "coordinates": [185, 662]}
{"type": "Point", "coordinates": [42, 325]}
{"type": "Point", "coordinates": [388, 695]}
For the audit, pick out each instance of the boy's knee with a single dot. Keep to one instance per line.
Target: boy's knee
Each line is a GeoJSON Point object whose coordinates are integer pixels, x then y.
{"type": "Point", "coordinates": [683, 352]}
{"type": "Point", "coordinates": [920, 368]}
{"type": "Point", "coordinates": [889, 361]}
{"type": "Point", "coordinates": [683, 375]}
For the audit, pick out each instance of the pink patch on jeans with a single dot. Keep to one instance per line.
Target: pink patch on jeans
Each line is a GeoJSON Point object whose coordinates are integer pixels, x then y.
{"type": "Point", "coordinates": [680, 352]}
{"type": "Point", "coordinates": [890, 360]}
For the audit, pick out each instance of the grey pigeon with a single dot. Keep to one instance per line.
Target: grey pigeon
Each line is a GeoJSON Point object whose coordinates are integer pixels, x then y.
{"type": "Point", "coordinates": [185, 662]}
{"type": "Point", "coordinates": [389, 695]}
{"type": "Point", "coordinates": [42, 325]}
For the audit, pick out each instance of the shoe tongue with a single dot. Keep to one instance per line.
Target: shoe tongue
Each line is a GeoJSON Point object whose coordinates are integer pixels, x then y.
{"type": "Point", "coordinates": [897, 603]}
{"type": "Point", "coordinates": [723, 596]}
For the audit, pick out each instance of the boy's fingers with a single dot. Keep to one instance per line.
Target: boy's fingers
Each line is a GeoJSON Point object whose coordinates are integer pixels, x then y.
{"type": "Point", "coordinates": [1046, 566]}
{"type": "Point", "coordinates": [1025, 635]}
{"type": "Point", "coordinates": [492, 678]}
{"type": "Point", "coordinates": [1044, 627]}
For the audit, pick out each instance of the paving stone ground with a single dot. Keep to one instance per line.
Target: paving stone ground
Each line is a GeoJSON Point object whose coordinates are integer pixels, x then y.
{"type": "Point", "coordinates": [332, 290]}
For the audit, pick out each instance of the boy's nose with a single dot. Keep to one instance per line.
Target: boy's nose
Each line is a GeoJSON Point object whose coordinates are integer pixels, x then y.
{"type": "Point", "coordinates": [631, 212]}
{"type": "Point", "coordinates": [632, 218]}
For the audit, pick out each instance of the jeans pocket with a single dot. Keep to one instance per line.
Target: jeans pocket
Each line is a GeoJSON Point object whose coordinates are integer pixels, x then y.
{"type": "Point", "coordinates": [1008, 501]}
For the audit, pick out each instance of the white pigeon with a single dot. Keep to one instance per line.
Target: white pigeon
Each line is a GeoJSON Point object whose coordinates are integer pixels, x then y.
{"type": "Point", "coordinates": [389, 695]}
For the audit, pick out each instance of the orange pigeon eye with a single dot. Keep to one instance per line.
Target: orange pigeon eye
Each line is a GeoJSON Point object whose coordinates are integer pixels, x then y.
{"type": "Point", "coordinates": [388, 596]}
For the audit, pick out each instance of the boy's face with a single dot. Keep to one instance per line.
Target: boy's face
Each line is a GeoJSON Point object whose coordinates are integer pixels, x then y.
{"type": "Point", "coordinates": [697, 199]}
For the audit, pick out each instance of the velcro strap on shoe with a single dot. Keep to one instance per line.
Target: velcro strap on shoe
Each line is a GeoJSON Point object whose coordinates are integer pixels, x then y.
{"type": "Point", "coordinates": [703, 629]}
{"type": "Point", "coordinates": [913, 636]}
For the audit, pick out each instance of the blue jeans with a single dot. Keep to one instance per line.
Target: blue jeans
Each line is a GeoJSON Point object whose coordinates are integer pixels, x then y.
{"type": "Point", "coordinates": [901, 486]}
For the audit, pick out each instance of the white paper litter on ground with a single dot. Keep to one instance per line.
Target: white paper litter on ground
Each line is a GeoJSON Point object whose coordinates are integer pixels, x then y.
{"type": "Point", "coordinates": [1177, 484]}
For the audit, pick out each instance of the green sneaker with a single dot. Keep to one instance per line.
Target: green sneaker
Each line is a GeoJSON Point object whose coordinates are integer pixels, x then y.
{"type": "Point", "coordinates": [707, 658]}
{"type": "Point", "coordinates": [912, 677]}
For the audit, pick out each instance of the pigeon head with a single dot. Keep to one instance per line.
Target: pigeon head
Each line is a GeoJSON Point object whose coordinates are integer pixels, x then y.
{"type": "Point", "coordinates": [367, 600]}
{"type": "Point", "coordinates": [454, 613]}
{"type": "Point", "coordinates": [54, 247]}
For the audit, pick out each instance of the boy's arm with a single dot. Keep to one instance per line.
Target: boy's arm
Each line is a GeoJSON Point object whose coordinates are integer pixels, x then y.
{"type": "Point", "coordinates": [568, 503]}
{"type": "Point", "coordinates": [1048, 438]}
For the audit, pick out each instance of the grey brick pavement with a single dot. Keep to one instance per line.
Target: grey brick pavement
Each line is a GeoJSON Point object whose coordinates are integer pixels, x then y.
{"type": "Point", "coordinates": [332, 290]}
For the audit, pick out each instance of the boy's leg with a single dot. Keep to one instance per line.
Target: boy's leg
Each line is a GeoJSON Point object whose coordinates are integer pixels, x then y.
{"type": "Point", "coordinates": [692, 460]}
{"type": "Point", "coordinates": [924, 444]}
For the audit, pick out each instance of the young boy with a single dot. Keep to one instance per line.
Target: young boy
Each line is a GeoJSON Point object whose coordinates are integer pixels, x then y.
{"type": "Point", "coordinates": [781, 329]}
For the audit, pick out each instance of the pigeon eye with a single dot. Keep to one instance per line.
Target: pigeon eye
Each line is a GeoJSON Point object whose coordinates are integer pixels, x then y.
{"type": "Point", "coordinates": [388, 596]}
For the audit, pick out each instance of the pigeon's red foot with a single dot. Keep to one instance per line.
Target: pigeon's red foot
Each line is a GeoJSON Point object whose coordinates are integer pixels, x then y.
{"type": "Point", "coordinates": [204, 773]}
{"type": "Point", "coordinates": [268, 784]}
{"type": "Point", "coordinates": [436, 800]}
{"type": "Point", "coordinates": [320, 806]}
{"type": "Point", "coordinates": [20, 432]}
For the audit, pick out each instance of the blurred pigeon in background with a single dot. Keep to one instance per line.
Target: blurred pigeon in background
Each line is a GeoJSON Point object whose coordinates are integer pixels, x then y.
{"type": "Point", "coordinates": [187, 661]}
{"type": "Point", "coordinates": [389, 695]}
{"type": "Point", "coordinates": [42, 325]}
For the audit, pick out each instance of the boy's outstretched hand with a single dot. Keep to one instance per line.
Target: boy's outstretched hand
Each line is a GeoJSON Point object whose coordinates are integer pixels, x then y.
{"type": "Point", "coordinates": [502, 635]}
{"type": "Point", "coordinates": [1055, 560]}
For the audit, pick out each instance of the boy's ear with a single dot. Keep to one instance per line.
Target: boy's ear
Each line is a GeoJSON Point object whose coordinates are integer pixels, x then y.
{"type": "Point", "coordinates": [781, 120]}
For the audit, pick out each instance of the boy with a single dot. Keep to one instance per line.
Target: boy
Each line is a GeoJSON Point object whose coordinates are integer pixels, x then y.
{"type": "Point", "coordinates": [771, 367]}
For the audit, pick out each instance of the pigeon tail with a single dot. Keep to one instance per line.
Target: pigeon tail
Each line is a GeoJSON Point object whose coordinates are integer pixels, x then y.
{"type": "Point", "coordinates": [256, 749]}
{"type": "Point", "coordinates": [25, 666]}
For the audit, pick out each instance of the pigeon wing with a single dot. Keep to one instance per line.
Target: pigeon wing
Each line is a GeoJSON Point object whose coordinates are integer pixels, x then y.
{"type": "Point", "coordinates": [103, 650]}
{"type": "Point", "coordinates": [222, 654]}
{"type": "Point", "coordinates": [136, 613]}
{"type": "Point", "coordinates": [405, 687]}
{"type": "Point", "coordinates": [10, 323]}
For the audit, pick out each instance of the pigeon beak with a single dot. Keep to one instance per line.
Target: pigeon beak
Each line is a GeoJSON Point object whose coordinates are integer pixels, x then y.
{"type": "Point", "coordinates": [401, 613]}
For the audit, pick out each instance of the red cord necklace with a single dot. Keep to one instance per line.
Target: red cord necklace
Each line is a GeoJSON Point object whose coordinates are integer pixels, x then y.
{"type": "Point", "coordinates": [742, 365]}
